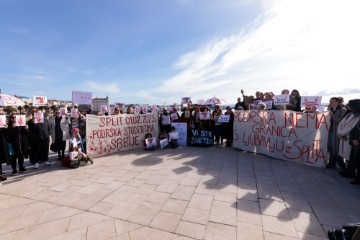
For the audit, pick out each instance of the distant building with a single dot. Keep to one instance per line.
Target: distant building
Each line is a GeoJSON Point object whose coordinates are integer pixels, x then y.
{"type": "Point", "coordinates": [26, 100]}
{"type": "Point", "coordinates": [97, 102]}
{"type": "Point", "coordinates": [54, 102]}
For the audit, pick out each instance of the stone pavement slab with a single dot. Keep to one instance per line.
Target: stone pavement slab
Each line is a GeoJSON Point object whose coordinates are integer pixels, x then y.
{"type": "Point", "coordinates": [177, 194]}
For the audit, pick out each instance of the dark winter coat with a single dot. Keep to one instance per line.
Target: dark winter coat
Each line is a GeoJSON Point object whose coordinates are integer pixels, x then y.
{"type": "Point", "coordinates": [17, 137]}
{"type": "Point", "coordinates": [4, 150]}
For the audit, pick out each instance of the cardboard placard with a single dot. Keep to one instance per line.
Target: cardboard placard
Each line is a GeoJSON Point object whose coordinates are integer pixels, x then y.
{"type": "Point", "coordinates": [150, 142]}
{"type": "Point", "coordinates": [2, 121]}
{"type": "Point", "coordinates": [173, 135]}
{"type": "Point", "coordinates": [280, 100]}
{"type": "Point", "coordinates": [174, 116]}
{"type": "Point", "coordinates": [40, 101]}
{"type": "Point", "coordinates": [185, 100]}
{"type": "Point", "coordinates": [164, 142]}
{"type": "Point", "coordinates": [165, 120]}
{"type": "Point", "coordinates": [201, 138]}
{"type": "Point", "coordinates": [20, 120]}
{"type": "Point", "coordinates": [204, 115]}
{"type": "Point", "coordinates": [38, 117]}
{"type": "Point", "coordinates": [224, 118]}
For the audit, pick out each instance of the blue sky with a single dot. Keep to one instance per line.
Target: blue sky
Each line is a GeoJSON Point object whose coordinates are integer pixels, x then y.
{"type": "Point", "coordinates": [156, 51]}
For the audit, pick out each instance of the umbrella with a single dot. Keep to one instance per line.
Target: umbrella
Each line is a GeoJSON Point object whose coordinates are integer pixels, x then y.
{"type": "Point", "coordinates": [8, 100]}
{"type": "Point", "coordinates": [214, 101]}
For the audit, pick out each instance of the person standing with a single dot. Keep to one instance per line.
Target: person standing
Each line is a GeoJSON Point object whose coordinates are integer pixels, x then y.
{"type": "Point", "coordinates": [229, 127]}
{"type": "Point", "coordinates": [336, 112]}
{"type": "Point", "coordinates": [239, 105]}
{"type": "Point", "coordinates": [59, 130]}
{"type": "Point", "coordinates": [41, 137]}
{"type": "Point", "coordinates": [17, 137]}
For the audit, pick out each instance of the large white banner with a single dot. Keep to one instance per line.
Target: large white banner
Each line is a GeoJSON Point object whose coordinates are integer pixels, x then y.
{"type": "Point", "coordinates": [181, 128]}
{"type": "Point", "coordinates": [287, 135]}
{"type": "Point", "coordinates": [110, 134]}
{"type": "Point", "coordinates": [79, 97]}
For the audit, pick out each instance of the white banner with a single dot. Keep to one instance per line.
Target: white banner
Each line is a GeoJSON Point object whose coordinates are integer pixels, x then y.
{"type": "Point", "coordinates": [40, 101]}
{"type": "Point", "coordinates": [20, 120]}
{"type": "Point", "coordinates": [2, 121]}
{"type": "Point", "coordinates": [185, 100]}
{"type": "Point", "coordinates": [268, 104]}
{"type": "Point", "coordinates": [110, 134]}
{"type": "Point", "coordinates": [224, 118]}
{"type": "Point", "coordinates": [287, 135]}
{"type": "Point", "coordinates": [281, 99]}
{"type": "Point", "coordinates": [204, 116]}
{"type": "Point", "coordinates": [310, 101]}
{"type": "Point", "coordinates": [63, 112]}
{"type": "Point", "coordinates": [79, 97]}
{"type": "Point", "coordinates": [181, 129]}
{"type": "Point", "coordinates": [174, 116]}
{"type": "Point", "coordinates": [38, 117]}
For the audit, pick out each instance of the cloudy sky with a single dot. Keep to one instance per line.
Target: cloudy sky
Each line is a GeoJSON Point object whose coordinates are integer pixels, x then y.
{"type": "Point", "coordinates": [157, 51]}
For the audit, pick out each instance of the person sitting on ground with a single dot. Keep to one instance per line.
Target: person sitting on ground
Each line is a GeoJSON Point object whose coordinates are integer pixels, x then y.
{"type": "Point", "coordinates": [76, 150]}
{"type": "Point", "coordinates": [173, 137]}
{"type": "Point", "coordinates": [149, 143]}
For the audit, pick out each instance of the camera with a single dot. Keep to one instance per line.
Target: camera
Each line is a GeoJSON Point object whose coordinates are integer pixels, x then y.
{"type": "Point", "coordinates": [347, 232]}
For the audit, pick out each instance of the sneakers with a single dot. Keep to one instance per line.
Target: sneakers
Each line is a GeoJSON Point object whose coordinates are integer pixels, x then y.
{"type": "Point", "coordinates": [23, 169]}
{"type": "Point", "coordinates": [36, 165]}
{"type": "Point", "coordinates": [14, 172]}
{"type": "Point", "coordinates": [47, 163]}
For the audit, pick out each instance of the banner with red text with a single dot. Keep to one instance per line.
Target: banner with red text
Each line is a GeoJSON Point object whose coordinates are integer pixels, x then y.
{"type": "Point", "coordinates": [110, 134]}
{"type": "Point", "coordinates": [287, 135]}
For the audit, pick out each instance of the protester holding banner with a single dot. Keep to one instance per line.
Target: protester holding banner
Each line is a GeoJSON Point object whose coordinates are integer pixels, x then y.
{"type": "Point", "coordinates": [337, 112]}
{"type": "Point", "coordinates": [228, 127]}
{"type": "Point", "coordinates": [59, 131]}
{"type": "Point", "coordinates": [354, 140]}
{"type": "Point", "coordinates": [165, 121]}
{"type": "Point", "coordinates": [40, 136]}
{"type": "Point", "coordinates": [295, 93]}
{"type": "Point", "coordinates": [205, 119]}
{"type": "Point", "coordinates": [17, 137]}
{"type": "Point", "coordinates": [174, 115]}
{"type": "Point", "coordinates": [217, 126]}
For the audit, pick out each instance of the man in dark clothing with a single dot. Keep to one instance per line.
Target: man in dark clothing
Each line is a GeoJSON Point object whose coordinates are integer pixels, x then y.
{"type": "Point", "coordinates": [41, 136]}
{"type": "Point", "coordinates": [239, 105]}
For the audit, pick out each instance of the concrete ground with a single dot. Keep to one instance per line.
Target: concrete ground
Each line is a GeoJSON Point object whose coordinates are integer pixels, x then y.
{"type": "Point", "coordinates": [184, 193]}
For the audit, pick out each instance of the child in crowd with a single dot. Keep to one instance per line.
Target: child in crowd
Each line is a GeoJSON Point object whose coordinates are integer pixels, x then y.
{"type": "Point", "coordinates": [173, 137]}
{"type": "Point", "coordinates": [149, 142]}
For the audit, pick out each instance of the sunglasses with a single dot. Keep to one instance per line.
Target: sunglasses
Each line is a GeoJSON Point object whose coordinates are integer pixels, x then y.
{"type": "Point", "coordinates": [12, 117]}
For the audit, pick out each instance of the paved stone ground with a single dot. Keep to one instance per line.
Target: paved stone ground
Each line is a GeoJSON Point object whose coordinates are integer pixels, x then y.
{"type": "Point", "coordinates": [185, 193]}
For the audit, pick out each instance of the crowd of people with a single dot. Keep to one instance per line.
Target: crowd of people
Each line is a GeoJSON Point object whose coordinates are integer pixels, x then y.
{"type": "Point", "coordinates": [33, 139]}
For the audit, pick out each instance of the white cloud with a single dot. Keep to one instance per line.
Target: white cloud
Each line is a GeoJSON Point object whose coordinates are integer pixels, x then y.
{"type": "Point", "coordinates": [309, 45]}
{"type": "Point", "coordinates": [102, 87]}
